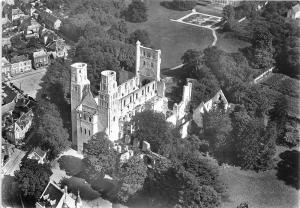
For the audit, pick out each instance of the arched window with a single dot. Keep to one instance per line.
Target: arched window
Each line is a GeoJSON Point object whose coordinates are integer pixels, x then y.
{"type": "Point", "coordinates": [84, 131]}
{"type": "Point", "coordinates": [89, 133]}
{"type": "Point", "coordinates": [90, 119]}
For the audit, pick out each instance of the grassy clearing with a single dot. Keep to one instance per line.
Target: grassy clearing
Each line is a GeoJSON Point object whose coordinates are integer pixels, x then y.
{"type": "Point", "coordinates": [174, 38]}
{"type": "Point", "coordinates": [265, 189]}
{"type": "Point", "coordinates": [171, 37]}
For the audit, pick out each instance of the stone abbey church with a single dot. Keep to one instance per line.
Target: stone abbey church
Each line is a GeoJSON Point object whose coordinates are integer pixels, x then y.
{"type": "Point", "coordinates": [116, 104]}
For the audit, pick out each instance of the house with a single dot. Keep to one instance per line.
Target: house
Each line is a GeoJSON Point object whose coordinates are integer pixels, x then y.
{"type": "Point", "coordinates": [37, 154]}
{"type": "Point", "coordinates": [57, 48]}
{"type": "Point", "coordinates": [40, 59]}
{"type": "Point", "coordinates": [55, 197]}
{"type": "Point", "coordinates": [6, 67]}
{"type": "Point", "coordinates": [20, 64]}
{"type": "Point", "coordinates": [294, 12]}
{"type": "Point", "coordinates": [16, 14]}
{"type": "Point", "coordinates": [51, 21]}
{"type": "Point", "coordinates": [226, 2]}
{"type": "Point", "coordinates": [30, 28]}
{"type": "Point", "coordinates": [6, 42]}
{"type": "Point", "coordinates": [9, 98]}
{"type": "Point", "coordinates": [15, 132]}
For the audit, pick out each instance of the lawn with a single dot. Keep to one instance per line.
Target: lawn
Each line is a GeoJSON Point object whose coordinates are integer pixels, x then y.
{"type": "Point", "coordinates": [172, 38]}
{"type": "Point", "coordinates": [267, 189]}
{"type": "Point", "coordinates": [175, 38]}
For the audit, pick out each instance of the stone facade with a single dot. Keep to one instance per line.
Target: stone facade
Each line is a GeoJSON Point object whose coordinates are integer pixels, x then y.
{"type": "Point", "coordinates": [40, 59]}
{"type": "Point", "coordinates": [115, 104]}
{"type": "Point", "coordinates": [20, 64]}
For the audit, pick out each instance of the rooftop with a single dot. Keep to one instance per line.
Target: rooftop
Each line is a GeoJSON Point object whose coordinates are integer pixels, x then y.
{"type": "Point", "coordinates": [4, 61]}
{"type": "Point", "coordinates": [17, 59]}
{"type": "Point", "coordinates": [8, 94]}
{"type": "Point", "coordinates": [39, 53]}
{"type": "Point", "coordinates": [38, 151]}
{"type": "Point", "coordinates": [296, 8]}
{"type": "Point", "coordinates": [52, 195]}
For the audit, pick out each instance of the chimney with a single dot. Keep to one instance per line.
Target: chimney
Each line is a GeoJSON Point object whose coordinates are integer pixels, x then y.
{"type": "Point", "coordinates": [66, 189]}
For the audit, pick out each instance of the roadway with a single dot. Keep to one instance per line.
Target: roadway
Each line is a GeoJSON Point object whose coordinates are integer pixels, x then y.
{"type": "Point", "coordinates": [13, 163]}
{"type": "Point", "coordinates": [29, 82]}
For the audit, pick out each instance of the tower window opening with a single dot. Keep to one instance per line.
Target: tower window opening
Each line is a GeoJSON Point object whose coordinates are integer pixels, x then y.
{"type": "Point", "coordinates": [89, 133]}
{"type": "Point", "coordinates": [144, 63]}
{"type": "Point", "coordinates": [84, 131]}
{"type": "Point", "coordinates": [130, 99]}
{"type": "Point", "coordinates": [142, 92]}
{"type": "Point", "coordinates": [148, 88]}
{"type": "Point", "coordinates": [90, 119]}
{"type": "Point", "coordinates": [81, 129]}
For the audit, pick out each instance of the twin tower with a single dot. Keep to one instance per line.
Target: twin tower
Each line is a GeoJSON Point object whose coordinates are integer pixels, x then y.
{"type": "Point", "coordinates": [115, 103]}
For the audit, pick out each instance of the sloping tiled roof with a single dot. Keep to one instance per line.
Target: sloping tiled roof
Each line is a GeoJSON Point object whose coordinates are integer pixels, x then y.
{"type": "Point", "coordinates": [89, 101]}
{"type": "Point", "coordinates": [25, 119]}
{"type": "Point", "coordinates": [39, 152]}
{"type": "Point", "coordinates": [52, 192]}
{"type": "Point", "coordinates": [39, 53]}
{"type": "Point", "coordinates": [296, 8]}
{"type": "Point", "coordinates": [8, 94]}
{"type": "Point", "coordinates": [17, 59]}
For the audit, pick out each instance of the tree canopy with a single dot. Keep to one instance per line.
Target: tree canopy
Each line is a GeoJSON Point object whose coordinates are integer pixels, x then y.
{"type": "Point", "coordinates": [33, 178]}
{"type": "Point", "coordinates": [136, 12]}
{"type": "Point", "coordinates": [152, 127]}
{"type": "Point", "coordinates": [100, 154]}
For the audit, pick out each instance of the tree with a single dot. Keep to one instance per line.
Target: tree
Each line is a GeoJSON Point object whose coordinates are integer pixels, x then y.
{"type": "Point", "coordinates": [139, 35]}
{"type": "Point", "coordinates": [216, 127]}
{"type": "Point", "coordinates": [131, 175]}
{"type": "Point", "coordinates": [243, 205]}
{"type": "Point", "coordinates": [136, 12]}
{"type": "Point", "coordinates": [255, 146]}
{"type": "Point", "coordinates": [192, 56]}
{"type": "Point", "coordinates": [33, 178]}
{"type": "Point", "coordinates": [152, 127]}
{"type": "Point", "coordinates": [205, 86]}
{"type": "Point", "coordinates": [228, 17]}
{"type": "Point", "coordinates": [100, 155]}
{"type": "Point", "coordinates": [256, 101]}
{"type": "Point", "coordinates": [201, 197]}
{"type": "Point", "coordinates": [54, 135]}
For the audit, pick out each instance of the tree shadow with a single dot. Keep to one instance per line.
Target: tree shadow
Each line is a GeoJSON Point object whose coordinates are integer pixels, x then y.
{"type": "Point", "coordinates": [288, 168]}
{"type": "Point", "coordinates": [80, 170]}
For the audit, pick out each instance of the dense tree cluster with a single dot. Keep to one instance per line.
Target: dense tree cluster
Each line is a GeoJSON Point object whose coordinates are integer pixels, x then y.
{"type": "Point", "coordinates": [136, 12]}
{"type": "Point", "coordinates": [139, 35]}
{"type": "Point", "coordinates": [274, 37]}
{"type": "Point", "coordinates": [182, 176]}
{"type": "Point", "coordinates": [101, 156]}
{"type": "Point", "coordinates": [214, 69]}
{"type": "Point", "coordinates": [181, 5]}
{"type": "Point", "coordinates": [33, 178]}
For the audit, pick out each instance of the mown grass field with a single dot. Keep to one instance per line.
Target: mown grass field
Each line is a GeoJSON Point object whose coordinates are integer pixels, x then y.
{"type": "Point", "coordinates": [175, 38]}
